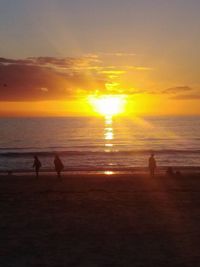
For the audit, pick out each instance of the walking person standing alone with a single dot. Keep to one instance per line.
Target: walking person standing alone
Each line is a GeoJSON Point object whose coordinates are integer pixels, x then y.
{"type": "Point", "coordinates": [152, 165]}
{"type": "Point", "coordinates": [37, 165]}
{"type": "Point", "coordinates": [58, 165]}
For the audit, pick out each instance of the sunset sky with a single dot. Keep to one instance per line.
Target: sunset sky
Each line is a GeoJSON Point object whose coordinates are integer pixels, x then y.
{"type": "Point", "coordinates": [54, 54]}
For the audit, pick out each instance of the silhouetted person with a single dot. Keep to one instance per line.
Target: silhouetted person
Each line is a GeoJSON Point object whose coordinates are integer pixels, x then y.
{"type": "Point", "coordinates": [37, 165]}
{"type": "Point", "coordinates": [58, 165]}
{"type": "Point", "coordinates": [152, 165]}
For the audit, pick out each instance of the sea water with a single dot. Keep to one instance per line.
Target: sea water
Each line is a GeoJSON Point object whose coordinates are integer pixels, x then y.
{"type": "Point", "coordinates": [98, 143]}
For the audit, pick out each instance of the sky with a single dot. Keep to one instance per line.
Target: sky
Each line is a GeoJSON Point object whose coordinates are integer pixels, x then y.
{"type": "Point", "coordinates": [55, 53]}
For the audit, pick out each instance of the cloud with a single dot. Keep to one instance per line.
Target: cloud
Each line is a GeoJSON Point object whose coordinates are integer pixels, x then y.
{"type": "Point", "coordinates": [7, 61]}
{"type": "Point", "coordinates": [52, 78]}
{"type": "Point", "coordinates": [48, 78]}
{"type": "Point", "coordinates": [117, 54]}
{"type": "Point", "coordinates": [177, 90]}
{"type": "Point", "coordinates": [187, 97]}
{"type": "Point", "coordinates": [182, 93]}
{"type": "Point", "coordinates": [67, 63]}
{"type": "Point", "coordinates": [139, 68]}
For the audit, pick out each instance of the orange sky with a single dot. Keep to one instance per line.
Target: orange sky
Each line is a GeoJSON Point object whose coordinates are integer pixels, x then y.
{"type": "Point", "coordinates": [56, 53]}
{"type": "Point", "coordinates": [50, 86]}
{"type": "Point", "coordinates": [141, 105]}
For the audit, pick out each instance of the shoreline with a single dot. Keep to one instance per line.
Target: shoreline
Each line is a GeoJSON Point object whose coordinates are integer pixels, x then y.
{"type": "Point", "coordinates": [104, 171]}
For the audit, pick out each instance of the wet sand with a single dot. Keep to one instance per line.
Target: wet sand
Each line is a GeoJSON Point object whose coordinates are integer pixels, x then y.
{"type": "Point", "coordinates": [100, 220]}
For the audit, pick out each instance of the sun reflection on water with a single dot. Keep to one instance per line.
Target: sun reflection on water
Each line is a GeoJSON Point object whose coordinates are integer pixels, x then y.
{"type": "Point", "coordinates": [108, 134]}
{"type": "Point", "coordinates": [108, 139]}
{"type": "Point", "coordinates": [108, 172]}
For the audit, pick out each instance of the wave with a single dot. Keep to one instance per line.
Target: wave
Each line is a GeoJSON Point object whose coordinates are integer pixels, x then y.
{"type": "Point", "coordinates": [89, 152]}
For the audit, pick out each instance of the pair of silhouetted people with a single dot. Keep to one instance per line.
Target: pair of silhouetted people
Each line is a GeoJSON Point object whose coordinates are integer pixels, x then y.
{"type": "Point", "coordinates": [57, 164]}
{"type": "Point", "coordinates": [152, 165]}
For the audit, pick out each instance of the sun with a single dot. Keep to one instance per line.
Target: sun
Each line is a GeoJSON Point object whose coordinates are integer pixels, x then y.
{"type": "Point", "coordinates": [108, 105]}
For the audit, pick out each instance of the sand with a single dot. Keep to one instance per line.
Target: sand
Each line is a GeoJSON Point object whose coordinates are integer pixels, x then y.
{"type": "Point", "coordinates": [98, 220]}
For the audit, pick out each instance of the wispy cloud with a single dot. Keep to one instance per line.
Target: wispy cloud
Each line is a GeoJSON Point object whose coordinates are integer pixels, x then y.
{"type": "Point", "coordinates": [177, 90]}
{"type": "Point", "coordinates": [138, 68]}
{"type": "Point", "coordinates": [182, 93]}
{"type": "Point", "coordinates": [117, 54]}
{"type": "Point", "coordinates": [187, 96]}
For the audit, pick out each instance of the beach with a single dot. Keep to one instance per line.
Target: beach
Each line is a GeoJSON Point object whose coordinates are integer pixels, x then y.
{"type": "Point", "coordinates": [94, 219]}
{"type": "Point", "coordinates": [99, 133]}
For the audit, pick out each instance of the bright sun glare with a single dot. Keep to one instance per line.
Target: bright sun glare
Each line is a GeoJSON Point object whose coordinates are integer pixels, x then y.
{"type": "Point", "coordinates": [108, 105]}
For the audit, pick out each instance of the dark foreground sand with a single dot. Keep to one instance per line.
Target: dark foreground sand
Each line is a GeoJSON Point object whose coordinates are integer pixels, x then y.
{"type": "Point", "coordinates": [98, 220]}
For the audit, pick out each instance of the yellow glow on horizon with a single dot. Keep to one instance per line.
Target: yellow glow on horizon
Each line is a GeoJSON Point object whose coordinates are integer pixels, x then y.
{"type": "Point", "coordinates": [137, 105]}
{"type": "Point", "coordinates": [108, 105]}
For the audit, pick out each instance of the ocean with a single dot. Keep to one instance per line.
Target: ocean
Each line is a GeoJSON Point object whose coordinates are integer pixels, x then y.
{"type": "Point", "coordinates": [99, 143]}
